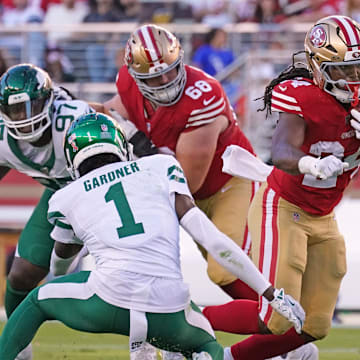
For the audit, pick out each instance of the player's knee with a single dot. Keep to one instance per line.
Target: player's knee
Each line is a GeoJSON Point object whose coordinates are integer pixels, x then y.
{"type": "Point", "coordinates": [24, 275]}
{"type": "Point", "coordinates": [317, 326]}
{"type": "Point", "coordinates": [278, 325]}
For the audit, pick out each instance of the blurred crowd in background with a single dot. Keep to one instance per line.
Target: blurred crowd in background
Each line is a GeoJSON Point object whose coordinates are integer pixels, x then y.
{"type": "Point", "coordinates": [53, 50]}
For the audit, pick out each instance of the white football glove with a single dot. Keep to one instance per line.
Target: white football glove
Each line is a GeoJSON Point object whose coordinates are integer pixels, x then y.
{"type": "Point", "coordinates": [322, 168]}
{"type": "Point", "coordinates": [289, 308]}
{"type": "Point", "coordinates": [129, 128]}
{"type": "Point", "coordinates": [355, 122]}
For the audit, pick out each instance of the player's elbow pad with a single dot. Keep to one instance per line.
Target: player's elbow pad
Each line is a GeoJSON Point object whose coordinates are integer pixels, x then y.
{"type": "Point", "coordinates": [223, 249]}
{"type": "Point", "coordinates": [58, 265]}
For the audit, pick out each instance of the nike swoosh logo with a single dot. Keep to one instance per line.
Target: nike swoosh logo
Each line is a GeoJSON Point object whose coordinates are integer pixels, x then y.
{"type": "Point", "coordinates": [282, 88]}
{"type": "Point", "coordinates": [207, 102]}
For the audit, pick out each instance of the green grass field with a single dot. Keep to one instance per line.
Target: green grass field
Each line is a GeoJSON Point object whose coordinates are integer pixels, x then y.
{"type": "Point", "coordinates": [56, 342]}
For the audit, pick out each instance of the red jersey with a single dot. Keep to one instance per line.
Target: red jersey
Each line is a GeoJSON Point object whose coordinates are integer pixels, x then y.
{"type": "Point", "coordinates": [328, 131]}
{"type": "Point", "coordinates": [202, 102]}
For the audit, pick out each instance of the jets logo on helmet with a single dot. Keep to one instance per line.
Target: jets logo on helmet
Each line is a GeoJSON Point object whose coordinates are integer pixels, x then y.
{"type": "Point", "coordinates": [94, 134]}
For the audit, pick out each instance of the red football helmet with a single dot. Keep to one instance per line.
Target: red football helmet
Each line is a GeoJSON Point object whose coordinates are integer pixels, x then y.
{"type": "Point", "coordinates": [152, 51]}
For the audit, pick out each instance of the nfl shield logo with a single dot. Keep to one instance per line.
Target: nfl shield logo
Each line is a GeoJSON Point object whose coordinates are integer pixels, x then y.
{"type": "Point", "coordinates": [104, 127]}
{"type": "Point", "coordinates": [296, 216]}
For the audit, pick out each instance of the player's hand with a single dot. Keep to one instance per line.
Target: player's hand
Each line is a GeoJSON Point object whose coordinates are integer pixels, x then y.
{"type": "Point", "coordinates": [289, 308]}
{"type": "Point", "coordinates": [322, 168]}
{"type": "Point", "coordinates": [355, 122]}
{"type": "Point", "coordinates": [142, 145]}
{"type": "Point", "coordinates": [129, 128]}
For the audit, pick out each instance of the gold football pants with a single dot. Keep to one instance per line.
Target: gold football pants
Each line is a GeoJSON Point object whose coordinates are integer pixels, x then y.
{"type": "Point", "coordinates": [302, 253]}
{"type": "Point", "coordinates": [228, 209]}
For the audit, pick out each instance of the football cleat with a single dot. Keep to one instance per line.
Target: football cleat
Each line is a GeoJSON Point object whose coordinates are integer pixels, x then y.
{"type": "Point", "coordinates": [25, 354]}
{"type": "Point", "coordinates": [308, 351]}
{"type": "Point", "coordinates": [201, 356]}
{"type": "Point", "coordinates": [144, 352]}
{"type": "Point", "coordinates": [168, 355]}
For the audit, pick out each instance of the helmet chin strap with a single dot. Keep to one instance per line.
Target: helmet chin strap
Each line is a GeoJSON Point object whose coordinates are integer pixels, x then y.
{"type": "Point", "coordinates": [355, 102]}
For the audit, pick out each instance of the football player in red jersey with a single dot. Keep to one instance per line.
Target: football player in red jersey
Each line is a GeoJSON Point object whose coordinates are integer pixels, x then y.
{"type": "Point", "coordinates": [185, 112]}
{"type": "Point", "coordinates": [315, 150]}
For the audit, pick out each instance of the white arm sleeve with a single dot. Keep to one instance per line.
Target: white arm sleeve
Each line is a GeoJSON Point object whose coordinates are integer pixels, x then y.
{"type": "Point", "coordinates": [223, 249]}
{"type": "Point", "coordinates": [58, 265]}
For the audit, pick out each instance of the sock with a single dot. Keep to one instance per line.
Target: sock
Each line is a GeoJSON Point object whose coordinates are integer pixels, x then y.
{"type": "Point", "coordinates": [237, 317]}
{"type": "Point", "coordinates": [261, 347]}
{"type": "Point", "coordinates": [20, 328]}
{"type": "Point", "coordinates": [13, 298]}
{"type": "Point", "coordinates": [239, 290]}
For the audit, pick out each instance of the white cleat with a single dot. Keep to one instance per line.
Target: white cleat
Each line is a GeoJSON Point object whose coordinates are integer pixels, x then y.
{"type": "Point", "coordinates": [144, 352]}
{"type": "Point", "coordinates": [25, 354]}
{"type": "Point", "coordinates": [201, 356]}
{"type": "Point", "coordinates": [308, 351]}
{"type": "Point", "coordinates": [228, 354]}
{"type": "Point", "coordinates": [168, 355]}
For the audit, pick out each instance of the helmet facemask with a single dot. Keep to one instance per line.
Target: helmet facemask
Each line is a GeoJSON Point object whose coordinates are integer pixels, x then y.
{"type": "Point", "coordinates": [342, 80]}
{"type": "Point", "coordinates": [28, 119]}
{"type": "Point", "coordinates": [26, 97]}
{"type": "Point", "coordinates": [167, 94]}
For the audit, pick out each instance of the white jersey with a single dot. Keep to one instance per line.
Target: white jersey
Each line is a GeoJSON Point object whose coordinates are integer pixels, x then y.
{"type": "Point", "coordinates": [52, 172]}
{"type": "Point", "coordinates": [125, 215]}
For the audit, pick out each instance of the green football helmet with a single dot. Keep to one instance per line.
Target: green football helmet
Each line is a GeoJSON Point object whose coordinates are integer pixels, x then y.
{"type": "Point", "coordinates": [93, 134]}
{"type": "Point", "coordinates": [26, 96]}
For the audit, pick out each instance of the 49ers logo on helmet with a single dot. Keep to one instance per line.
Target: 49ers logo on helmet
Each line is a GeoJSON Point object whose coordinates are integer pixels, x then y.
{"type": "Point", "coordinates": [318, 36]}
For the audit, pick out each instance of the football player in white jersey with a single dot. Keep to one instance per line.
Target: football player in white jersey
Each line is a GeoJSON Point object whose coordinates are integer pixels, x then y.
{"type": "Point", "coordinates": [33, 118]}
{"type": "Point", "coordinates": [128, 213]}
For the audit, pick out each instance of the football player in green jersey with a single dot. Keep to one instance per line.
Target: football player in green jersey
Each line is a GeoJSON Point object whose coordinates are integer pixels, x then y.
{"type": "Point", "coordinates": [128, 213]}
{"type": "Point", "coordinates": [33, 118]}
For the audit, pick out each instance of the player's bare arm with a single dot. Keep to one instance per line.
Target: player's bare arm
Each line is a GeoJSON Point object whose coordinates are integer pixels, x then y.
{"type": "Point", "coordinates": [233, 258]}
{"type": "Point", "coordinates": [114, 103]}
{"type": "Point", "coordinates": [195, 151]}
{"type": "Point", "coordinates": [3, 171]}
{"type": "Point", "coordinates": [287, 140]}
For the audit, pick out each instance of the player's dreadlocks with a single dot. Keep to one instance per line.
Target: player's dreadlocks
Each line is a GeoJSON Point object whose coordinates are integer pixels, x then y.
{"type": "Point", "coordinates": [296, 69]}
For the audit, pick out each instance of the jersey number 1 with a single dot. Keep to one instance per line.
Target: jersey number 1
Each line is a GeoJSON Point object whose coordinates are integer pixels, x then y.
{"type": "Point", "coordinates": [130, 227]}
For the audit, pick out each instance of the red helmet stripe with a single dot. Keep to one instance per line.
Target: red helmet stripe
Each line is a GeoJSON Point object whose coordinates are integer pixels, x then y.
{"type": "Point", "coordinates": [154, 44]}
{"type": "Point", "coordinates": [142, 39]}
{"type": "Point", "coordinates": [349, 30]}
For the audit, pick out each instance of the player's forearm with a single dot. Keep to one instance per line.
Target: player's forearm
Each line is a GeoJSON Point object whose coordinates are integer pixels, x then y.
{"type": "Point", "coordinates": [286, 158]}
{"type": "Point", "coordinates": [223, 249]}
{"type": "Point", "coordinates": [97, 107]}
